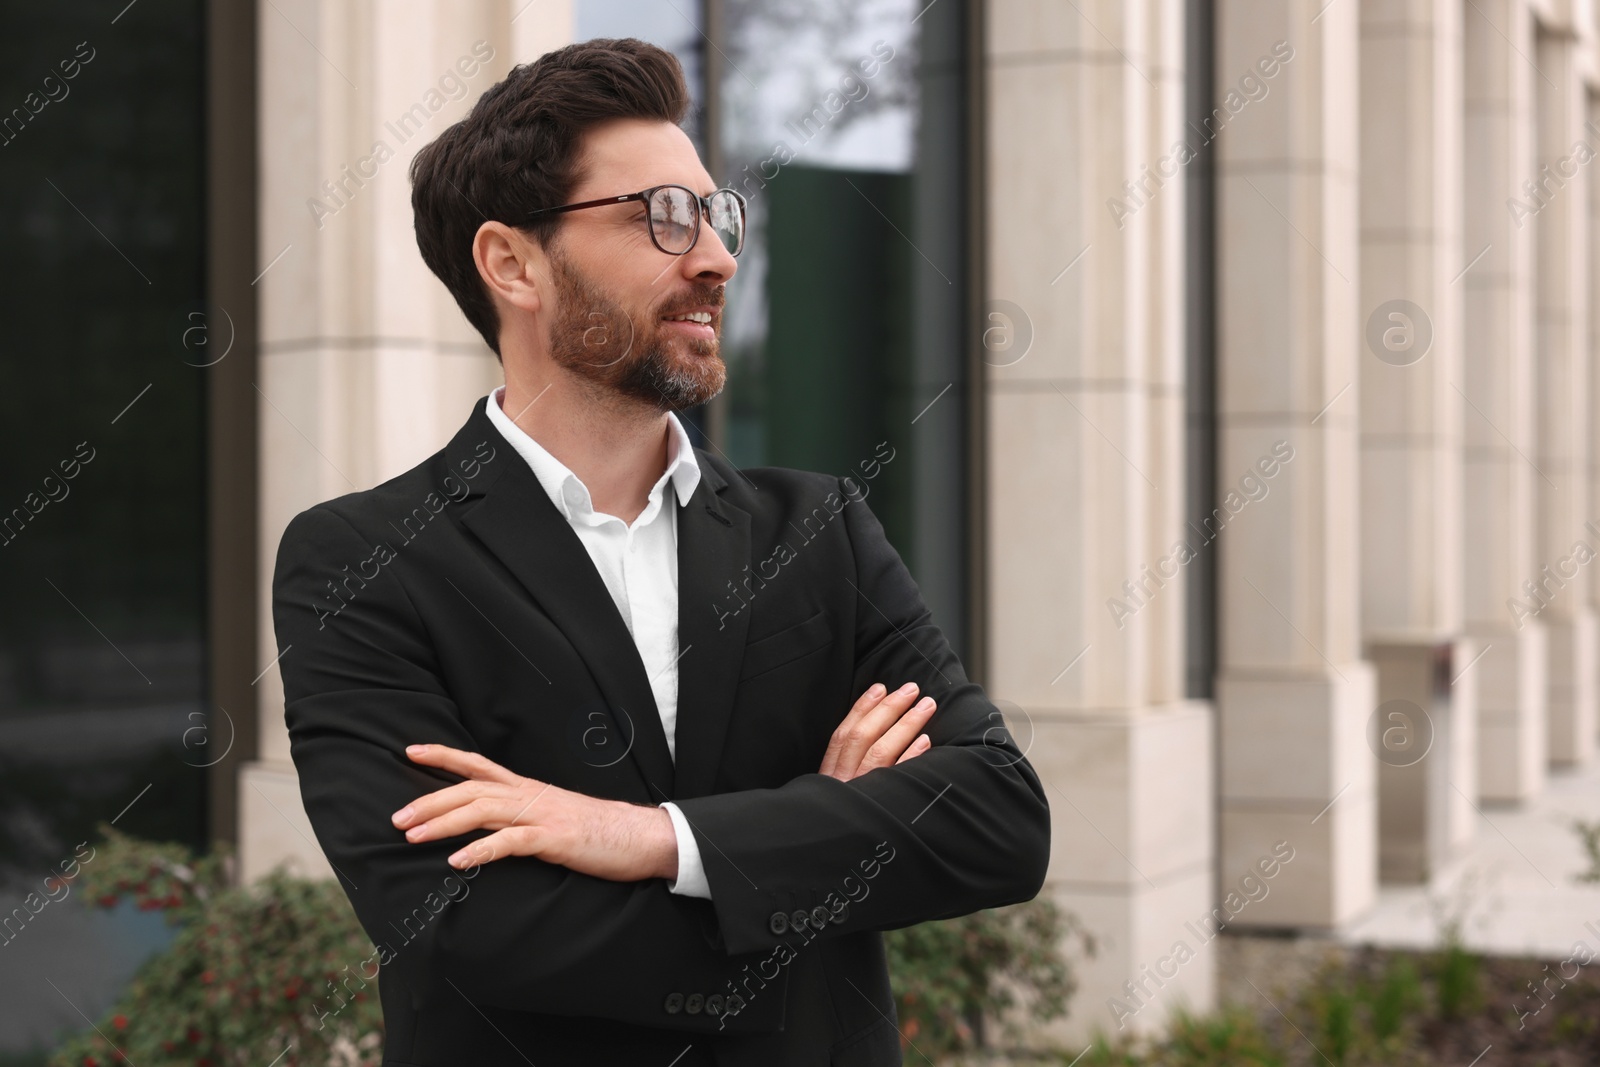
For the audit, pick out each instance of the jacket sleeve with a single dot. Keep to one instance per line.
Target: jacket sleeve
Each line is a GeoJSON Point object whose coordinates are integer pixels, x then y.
{"type": "Point", "coordinates": [964, 826]}
{"type": "Point", "coordinates": [361, 682]}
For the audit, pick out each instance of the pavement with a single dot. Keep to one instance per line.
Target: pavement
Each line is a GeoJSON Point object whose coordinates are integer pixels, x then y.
{"type": "Point", "coordinates": [1515, 891]}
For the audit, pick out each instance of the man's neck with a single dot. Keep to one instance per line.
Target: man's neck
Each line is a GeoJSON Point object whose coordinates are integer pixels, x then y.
{"type": "Point", "coordinates": [618, 450]}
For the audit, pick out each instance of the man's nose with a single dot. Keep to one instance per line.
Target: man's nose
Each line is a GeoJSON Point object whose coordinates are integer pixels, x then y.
{"type": "Point", "coordinates": [709, 260]}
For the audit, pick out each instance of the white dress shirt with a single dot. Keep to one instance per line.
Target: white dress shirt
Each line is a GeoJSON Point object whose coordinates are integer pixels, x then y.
{"type": "Point", "coordinates": [639, 565]}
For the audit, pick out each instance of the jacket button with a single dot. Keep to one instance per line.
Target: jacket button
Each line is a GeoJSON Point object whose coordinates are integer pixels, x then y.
{"type": "Point", "coordinates": [694, 1003]}
{"type": "Point", "coordinates": [735, 1004]}
{"type": "Point", "coordinates": [778, 924]}
{"type": "Point", "coordinates": [674, 1003]}
{"type": "Point", "coordinates": [820, 916]}
{"type": "Point", "coordinates": [714, 1004]}
{"type": "Point", "coordinates": [843, 913]}
{"type": "Point", "coordinates": [800, 919]}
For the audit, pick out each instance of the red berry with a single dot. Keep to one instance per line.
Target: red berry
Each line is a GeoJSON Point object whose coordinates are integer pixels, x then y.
{"type": "Point", "coordinates": [207, 977]}
{"type": "Point", "coordinates": [119, 1021]}
{"type": "Point", "coordinates": [194, 1036]}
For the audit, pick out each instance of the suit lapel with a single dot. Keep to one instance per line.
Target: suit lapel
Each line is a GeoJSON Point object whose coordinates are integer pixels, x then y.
{"type": "Point", "coordinates": [517, 522]}
{"type": "Point", "coordinates": [520, 525]}
{"type": "Point", "coordinates": [713, 551]}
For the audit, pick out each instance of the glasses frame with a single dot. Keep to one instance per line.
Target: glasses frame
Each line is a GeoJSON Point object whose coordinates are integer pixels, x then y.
{"type": "Point", "coordinates": [702, 206]}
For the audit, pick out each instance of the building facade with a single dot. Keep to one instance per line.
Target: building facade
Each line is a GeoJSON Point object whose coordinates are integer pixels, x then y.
{"type": "Point", "coordinates": [1276, 329]}
{"type": "Point", "coordinates": [1237, 359]}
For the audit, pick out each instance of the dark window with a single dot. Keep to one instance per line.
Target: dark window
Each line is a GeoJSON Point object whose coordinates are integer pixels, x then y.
{"type": "Point", "coordinates": [102, 503]}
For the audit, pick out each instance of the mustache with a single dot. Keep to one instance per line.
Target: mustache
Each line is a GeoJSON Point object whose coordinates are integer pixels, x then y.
{"type": "Point", "coordinates": [706, 296]}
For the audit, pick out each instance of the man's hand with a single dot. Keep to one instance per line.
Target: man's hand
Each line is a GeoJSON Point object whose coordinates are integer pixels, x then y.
{"type": "Point", "coordinates": [877, 732]}
{"type": "Point", "coordinates": [608, 839]}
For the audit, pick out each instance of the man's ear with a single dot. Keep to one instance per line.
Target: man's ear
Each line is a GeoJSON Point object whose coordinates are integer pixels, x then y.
{"type": "Point", "coordinates": [511, 264]}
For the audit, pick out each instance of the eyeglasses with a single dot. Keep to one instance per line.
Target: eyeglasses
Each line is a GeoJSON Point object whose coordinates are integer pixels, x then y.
{"type": "Point", "coordinates": [675, 215]}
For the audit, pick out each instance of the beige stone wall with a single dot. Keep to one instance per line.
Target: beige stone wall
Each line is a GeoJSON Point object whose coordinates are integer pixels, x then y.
{"type": "Point", "coordinates": [1501, 487]}
{"type": "Point", "coordinates": [1411, 503]}
{"type": "Point", "coordinates": [367, 365]}
{"type": "Point", "coordinates": [1085, 455]}
{"type": "Point", "coordinates": [1425, 487]}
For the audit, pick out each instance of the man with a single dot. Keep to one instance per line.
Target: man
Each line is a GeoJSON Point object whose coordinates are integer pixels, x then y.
{"type": "Point", "coordinates": [587, 721]}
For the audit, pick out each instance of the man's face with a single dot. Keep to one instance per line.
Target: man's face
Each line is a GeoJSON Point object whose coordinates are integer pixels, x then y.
{"type": "Point", "coordinates": [618, 302]}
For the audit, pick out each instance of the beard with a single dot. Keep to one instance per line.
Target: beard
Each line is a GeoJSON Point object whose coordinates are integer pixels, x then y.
{"type": "Point", "coordinates": [622, 356]}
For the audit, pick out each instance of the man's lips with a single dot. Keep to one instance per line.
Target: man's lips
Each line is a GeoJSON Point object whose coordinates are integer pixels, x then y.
{"type": "Point", "coordinates": [705, 330]}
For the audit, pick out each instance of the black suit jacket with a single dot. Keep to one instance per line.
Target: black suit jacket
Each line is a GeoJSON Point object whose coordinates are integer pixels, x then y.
{"type": "Point", "coordinates": [455, 605]}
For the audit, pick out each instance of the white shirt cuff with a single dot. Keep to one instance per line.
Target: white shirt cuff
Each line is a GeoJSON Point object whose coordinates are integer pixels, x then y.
{"type": "Point", "coordinates": [691, 872]}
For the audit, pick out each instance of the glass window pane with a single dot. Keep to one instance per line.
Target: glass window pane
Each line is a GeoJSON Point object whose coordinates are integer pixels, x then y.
{"type": "Point", "coordinates": [842, 125]}
{"type": "Point", "coordinates": [102, 493]}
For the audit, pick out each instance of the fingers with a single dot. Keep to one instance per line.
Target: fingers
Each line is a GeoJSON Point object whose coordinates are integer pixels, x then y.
{"type": "Point", "coordinates": [437, 803]}
{"type": "Point", "coordinates": [864, 703]}
{"type": "Point", "coordinates": [917, 748]}
{"type": "Point", "coordinates": [485, 813]}
{"type": "Point", "coordinates": [468, 805]}
{"type": "Point", "coordinates": [466, 764]}
{"type": "Point", "coordinates": [511, 841]}
{"type": "Point", "coordinates": [866, 725]}
{"type": "Point", "coordinates": [839, 761]}
{"type": "Point", "coordinates": [898, 738]}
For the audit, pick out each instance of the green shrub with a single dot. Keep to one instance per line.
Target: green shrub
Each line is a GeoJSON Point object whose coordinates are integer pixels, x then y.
{"type": "Point", "coordinates": [953, 978]}
{"type": "Point", "coordinates": [1336, 1025]}
{"type": "Point", "coordinates": [283, 967]}
{"type": "Point", "coordinates": [1456, 973]}
{"type": "Point", "coordinates": [276, 967]}
{"type": "Point", "coordinates": [1395, 999]}
{"type": "Point", "coordinates": [1589, 836]}
{"type": "Point", "coordinates": [1231, 1037]}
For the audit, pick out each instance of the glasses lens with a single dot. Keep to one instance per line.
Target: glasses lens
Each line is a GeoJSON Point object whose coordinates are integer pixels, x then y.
{"type": "Point", "coordinates": [727, 219]}
{"type": "Point", "coordinates": [674, 218]}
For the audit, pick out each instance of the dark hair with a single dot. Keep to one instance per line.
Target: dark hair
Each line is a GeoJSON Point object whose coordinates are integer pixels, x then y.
{"type": "Point", "coordinates": [518, 151]}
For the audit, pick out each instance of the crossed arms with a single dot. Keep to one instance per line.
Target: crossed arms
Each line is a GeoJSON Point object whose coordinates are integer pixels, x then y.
{"type": "Point", "coordinates": [581, 923]}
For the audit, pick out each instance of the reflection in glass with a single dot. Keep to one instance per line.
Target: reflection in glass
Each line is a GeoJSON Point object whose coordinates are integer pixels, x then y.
{"type": "Point", "coordinates": [841, 122]}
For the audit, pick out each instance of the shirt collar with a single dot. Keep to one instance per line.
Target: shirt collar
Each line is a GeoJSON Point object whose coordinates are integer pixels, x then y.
{"type": "Point", "coordinates": [565, 489]}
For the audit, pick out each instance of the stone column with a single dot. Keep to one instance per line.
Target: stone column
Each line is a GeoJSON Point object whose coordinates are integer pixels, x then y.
{"type": "Point", "coordinates": [1500, 484]}
{"type": "Point", "coordinates": [1411, 462]}
{"type": "Point", "coordinates": [1591, 182]}
{"type": "Point", "coordinates": [1559, 208]}
{"type": "Point", "coordinates": [1293, 691]}
{"type": "Point", "coordinates": [1084, 455]}
{"type": "Point", "coordinates": [366, 364]}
